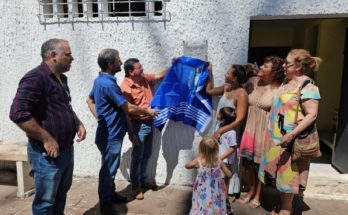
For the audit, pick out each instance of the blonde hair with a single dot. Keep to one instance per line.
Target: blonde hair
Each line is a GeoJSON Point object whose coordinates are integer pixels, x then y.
{"type": "Point", "coordinates": [303, 58]}
{"type": "Point", "coordinates": [209, 150]}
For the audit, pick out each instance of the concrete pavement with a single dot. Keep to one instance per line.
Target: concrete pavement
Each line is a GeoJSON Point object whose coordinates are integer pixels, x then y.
{"type": "Point", "coordinates": [168, 200]}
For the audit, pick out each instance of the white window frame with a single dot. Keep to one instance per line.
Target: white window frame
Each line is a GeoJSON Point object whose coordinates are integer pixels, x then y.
{"type": "Point", "coordinates": [52, 12]}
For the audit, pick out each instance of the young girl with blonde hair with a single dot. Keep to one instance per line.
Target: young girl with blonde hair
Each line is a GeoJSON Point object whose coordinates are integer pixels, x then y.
{"type": "Point", "coordinates": [209, 188]}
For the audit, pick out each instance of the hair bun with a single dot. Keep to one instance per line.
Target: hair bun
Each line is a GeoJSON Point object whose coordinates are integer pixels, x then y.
{"type": "Point", "coordinates": [316, 63]}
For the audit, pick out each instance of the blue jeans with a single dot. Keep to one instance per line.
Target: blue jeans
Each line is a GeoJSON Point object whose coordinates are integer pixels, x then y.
{"type": "Point", "coordinates": [53, 179]}
{"type": "Point", "coordinates": [141, 153]}
{"type": "Point", "coordinates": [111, 158]}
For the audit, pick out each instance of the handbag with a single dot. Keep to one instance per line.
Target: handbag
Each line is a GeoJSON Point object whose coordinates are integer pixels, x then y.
{"type": "Point", "coordinates": [306, 145]}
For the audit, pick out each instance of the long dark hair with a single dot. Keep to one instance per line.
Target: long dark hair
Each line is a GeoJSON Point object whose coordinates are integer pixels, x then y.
{"type": "Point", "coordinates": [228, 114]}
{"type": "Point", "coordinates": [277, 68]}
{"type": "Point", "coordinates": [239, 73]}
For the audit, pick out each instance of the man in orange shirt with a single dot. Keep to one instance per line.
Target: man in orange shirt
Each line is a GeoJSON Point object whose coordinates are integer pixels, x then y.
{"type": "Point", "coordinates": [136, 87]}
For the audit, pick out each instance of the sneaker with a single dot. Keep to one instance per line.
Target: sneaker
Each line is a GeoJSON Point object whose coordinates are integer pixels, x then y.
{"type": "Point", "coordinates": [151, 186]}
{"type": "Point", "coordinates": [117, 198]}
{"type": "Point", "coordinates": [138, 194]}
{"type": "Point", "coordinates": [107, 209]}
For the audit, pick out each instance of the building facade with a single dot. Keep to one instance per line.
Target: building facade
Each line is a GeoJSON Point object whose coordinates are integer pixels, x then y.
{"type": "Point", "coordinates": [154, 39]}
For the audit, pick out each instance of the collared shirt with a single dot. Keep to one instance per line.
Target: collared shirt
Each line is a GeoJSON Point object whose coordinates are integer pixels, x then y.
{"type": "Point", "coordinates": [108, 100]}
{"type": "Point", "coordinates": [139, 94]}
{"type": "Point", "coordinates": [41, 96]}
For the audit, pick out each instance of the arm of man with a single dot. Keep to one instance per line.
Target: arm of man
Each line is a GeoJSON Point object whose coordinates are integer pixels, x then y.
{"type": "Point", "coordinates": [80, 129]}
{"type": "Point", "coordinates": [34, 130]}
{"type": "Point", "coordinates": [28, 96]}
{"type": "Point", "coordinates": [91, 106]}
{"type": "Point", "coordinates": [161, 74]}
{"type": "Point", "coordinates": [133, 137]}
{"type": "Point", "coordinates": [136, 110]}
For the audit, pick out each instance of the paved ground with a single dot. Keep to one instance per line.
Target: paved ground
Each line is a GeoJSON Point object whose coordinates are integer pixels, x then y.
{"type": "Point", "coordinates": [171, 200]}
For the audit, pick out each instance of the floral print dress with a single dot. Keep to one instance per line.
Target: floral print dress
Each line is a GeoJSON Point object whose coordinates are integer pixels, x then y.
{"type": "Point", "coordinates": [208, 196]}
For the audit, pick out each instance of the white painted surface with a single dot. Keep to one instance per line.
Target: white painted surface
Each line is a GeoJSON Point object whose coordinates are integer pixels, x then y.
{"type": "Point", "coordinates": [224, 23]}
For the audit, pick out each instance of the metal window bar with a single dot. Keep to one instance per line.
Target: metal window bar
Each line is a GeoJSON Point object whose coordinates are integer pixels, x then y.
{"type": "Point", "coordinates": [98, 11]}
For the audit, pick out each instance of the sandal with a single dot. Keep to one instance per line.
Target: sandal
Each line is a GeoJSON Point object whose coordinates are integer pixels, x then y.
{"type": "Point", "coordinates": [274, 211]}
{"type": "Point", "coordinates": [244, 199]}
{"type": "Point", "coordinates": [229, 209]}
{"type": "Point", "coordinates": [231, 199]}
{"type": "Point", "coordinates": [254, 204]}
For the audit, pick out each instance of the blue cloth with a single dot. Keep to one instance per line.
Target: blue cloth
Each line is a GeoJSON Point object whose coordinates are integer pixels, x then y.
{"type": "Point", "coordinates": [182, 96]}
{"type": "Point", "coordinates": [111, 159]}
{"type": "Point", "coordinates": [141, 153]}
{"type": "Point", "coordinates": [53, 179]}
{"type": "Point", "coordinates": [108, 100]}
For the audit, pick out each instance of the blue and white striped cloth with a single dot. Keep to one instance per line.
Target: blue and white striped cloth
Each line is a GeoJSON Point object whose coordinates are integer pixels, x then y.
{"type": "Point", "coordinates": [181, 95]}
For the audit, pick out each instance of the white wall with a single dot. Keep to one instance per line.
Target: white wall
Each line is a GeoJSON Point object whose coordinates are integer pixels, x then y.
{"type": "Point", "coordinates": [224, 23]}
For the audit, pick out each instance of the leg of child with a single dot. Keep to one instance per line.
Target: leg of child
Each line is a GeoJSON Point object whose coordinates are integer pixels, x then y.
{"type": "Point", "coordinates": [227, 184]}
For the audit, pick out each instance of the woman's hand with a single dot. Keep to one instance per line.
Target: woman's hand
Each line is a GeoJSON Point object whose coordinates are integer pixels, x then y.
{"type": "Point", "coordinates": [217, 134]}
{"type": "Point", "coordinates": [286, 140]}
{"type": "Point", "coordinates": [227, 87]}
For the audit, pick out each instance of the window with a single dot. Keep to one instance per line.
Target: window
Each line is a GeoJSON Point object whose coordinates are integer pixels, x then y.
{"type": "Point", "coordinates": [71, 11]}
{"type": "Point", "coordinates": [123, 8]}
{"type": "Point", "coordinates": [62, 8]}
{"type": "Point", "coordinates": [77, 8]}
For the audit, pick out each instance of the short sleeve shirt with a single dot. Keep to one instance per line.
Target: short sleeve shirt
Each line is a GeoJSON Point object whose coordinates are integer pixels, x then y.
{"type": "Point", "coordinates": [139, 94]}
{"type": "Point", "coordinates": [283, 112]}
{"type": "Point", "coordinates": [228, 140]}
{"type": "Point", "coordinates": [108, 100]}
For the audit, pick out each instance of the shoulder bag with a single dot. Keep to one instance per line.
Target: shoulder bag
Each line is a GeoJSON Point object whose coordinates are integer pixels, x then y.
{"type": "Point", "coordinates": [306, 145]}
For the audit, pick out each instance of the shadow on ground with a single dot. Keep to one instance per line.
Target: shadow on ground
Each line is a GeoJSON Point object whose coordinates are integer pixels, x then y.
{"type": "Point", "coordinates": [270, 199]}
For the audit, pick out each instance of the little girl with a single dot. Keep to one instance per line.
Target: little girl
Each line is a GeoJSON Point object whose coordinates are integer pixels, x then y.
{"type": "Point", "coordinates": [228, 149]}
{"type": "Point", "coordinates": [209, 191]}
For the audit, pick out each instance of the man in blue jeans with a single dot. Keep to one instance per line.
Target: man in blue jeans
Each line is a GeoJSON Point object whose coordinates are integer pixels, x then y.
{"type": "Point", "coordinates": [136, 87]}
{"type": "Point", "coordinates": [41, 108]}
{"type": "Point", "coordinates": [110, 108]}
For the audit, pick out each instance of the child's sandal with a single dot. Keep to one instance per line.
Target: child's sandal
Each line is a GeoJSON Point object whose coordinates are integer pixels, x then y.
{"type": "Point", "coordinates": [229, 209]}
{"type": "Point", "coordinates": [231, 199]}
{"type": "Point", "coordinates": [244, 199]}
